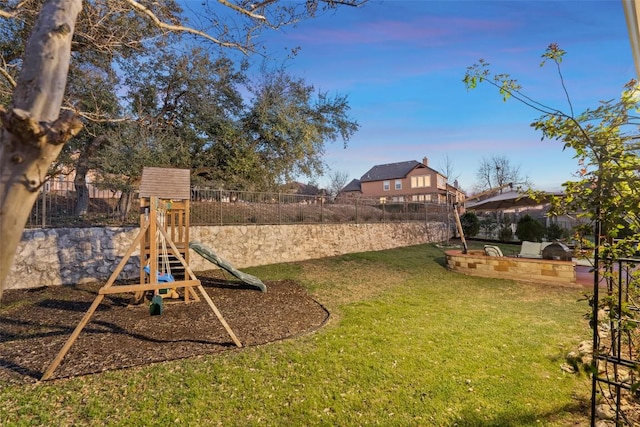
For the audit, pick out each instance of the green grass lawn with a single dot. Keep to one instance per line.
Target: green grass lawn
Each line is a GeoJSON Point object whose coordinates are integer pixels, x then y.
{"type": "Point", "coordinates": [408, 344]}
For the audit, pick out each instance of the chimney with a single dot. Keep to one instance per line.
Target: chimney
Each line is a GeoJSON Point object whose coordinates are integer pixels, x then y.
{"type": "Point", "coordinates": [425, 161]}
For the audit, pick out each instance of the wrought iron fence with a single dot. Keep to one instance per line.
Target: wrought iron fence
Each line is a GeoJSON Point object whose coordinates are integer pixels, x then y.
{"type": "Point", "coordinates": [615, 320]}
{"type": "Point", "coordinates": [57, 207]}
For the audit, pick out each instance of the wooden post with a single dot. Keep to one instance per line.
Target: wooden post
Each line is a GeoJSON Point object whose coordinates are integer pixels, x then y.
{"type": "Point", "coordinates": [52, 367]}
{"type": "Point", "coordinates": [219, 316]}
{"type": "Point", "coordinates": [459, 226]}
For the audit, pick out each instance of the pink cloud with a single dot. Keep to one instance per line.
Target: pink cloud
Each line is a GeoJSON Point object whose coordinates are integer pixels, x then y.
{"type": "Point", "coordinates": [410, 32]}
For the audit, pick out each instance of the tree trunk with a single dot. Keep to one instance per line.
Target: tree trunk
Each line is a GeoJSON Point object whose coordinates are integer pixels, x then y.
{"type": "Point", "coordinates": [124, 204]}
{"type": "Point", "coordinates": [82, 194]}
{"type": "Point", "coordinates": [33, 131]}
{"type": "Point", "coordinates": [82, 168]}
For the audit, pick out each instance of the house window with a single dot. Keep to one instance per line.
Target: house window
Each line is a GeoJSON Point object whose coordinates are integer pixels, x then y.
{"type": "Point", "coordinates": [398, 184]}
{"type": "Point", "coordinates": [442, 182]}
{"type": "Point", "coordinates": [419, 198]}
{"type": "Point", "coordinates": [421, 181]}
{"type": "Point", "coordinates": [386, 185]}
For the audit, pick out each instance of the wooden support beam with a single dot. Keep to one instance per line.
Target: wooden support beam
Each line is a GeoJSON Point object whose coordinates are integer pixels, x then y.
{"type": "Point", "coordinates": [207, 298]}
{"type": "Point", "coordinates": [52, 367]}
{"type": "Point", "coordinates": [121, 289]}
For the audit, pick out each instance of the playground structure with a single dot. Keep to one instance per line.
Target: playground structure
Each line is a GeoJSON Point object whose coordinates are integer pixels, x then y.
{"type": "Point", "coordinates": [163, 243]}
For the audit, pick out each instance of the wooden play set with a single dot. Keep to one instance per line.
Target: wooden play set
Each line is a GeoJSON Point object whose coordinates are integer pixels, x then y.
{"type": "Point", "coordinates": [163, 244]}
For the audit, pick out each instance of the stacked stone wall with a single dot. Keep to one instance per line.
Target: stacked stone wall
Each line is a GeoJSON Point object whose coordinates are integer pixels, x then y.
{"type": "Point", "coordinates": [476, 263]}
{"type": "Point", "coordinates": [75, 255]}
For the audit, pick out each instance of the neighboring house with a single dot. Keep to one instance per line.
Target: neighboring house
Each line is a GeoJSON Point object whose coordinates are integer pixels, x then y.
{"type": "Point", "coordinates": [350, 191]}
{"type": "Point", "coordinates": [409, 181]}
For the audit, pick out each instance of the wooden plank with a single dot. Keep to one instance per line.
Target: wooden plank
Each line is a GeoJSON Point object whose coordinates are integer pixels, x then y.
{"type": "Point", "coordinates": [219, 316]}
{"type": "Point", "coordinates": [153, 241]}
{"type": "Point", "coordinates": [52, 367]}
{"type": "Point", "coordinates": [121, 289]}
{"type": "Point", "coordinates": [126, 256]}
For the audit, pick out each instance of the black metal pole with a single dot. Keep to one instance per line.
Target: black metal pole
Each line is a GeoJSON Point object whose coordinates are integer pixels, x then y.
{"type": "Point", "coordinates": [596, 279]}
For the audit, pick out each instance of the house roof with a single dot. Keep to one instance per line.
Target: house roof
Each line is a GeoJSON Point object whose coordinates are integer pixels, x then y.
{"type": "Point", "coordinates": [354, 185]}
{"type": "Point", "coordinates": [510, 200]}
{"type": "Point", "coordinates": [306, 189]}
{"type": "Point", "coordinates": [390, 171]}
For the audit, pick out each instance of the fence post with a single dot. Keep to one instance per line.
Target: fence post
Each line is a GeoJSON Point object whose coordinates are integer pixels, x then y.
{"type": "Point", "coordinates": [356, 216]}
{"type": "Point", "coordinates": [279, 203]}
{"type": "Point", "coordinates": [44, 209]}
{"type": "Point", "coordinates": [220, 201]}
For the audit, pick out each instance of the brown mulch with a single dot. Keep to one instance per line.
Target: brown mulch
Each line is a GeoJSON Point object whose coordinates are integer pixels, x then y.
{"type": "Point", "coordinates": [35, 324]}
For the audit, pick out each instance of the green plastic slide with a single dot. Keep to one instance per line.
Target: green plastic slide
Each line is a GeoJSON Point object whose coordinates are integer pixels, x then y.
{"type": "Point", "coordinates": [210, 256]}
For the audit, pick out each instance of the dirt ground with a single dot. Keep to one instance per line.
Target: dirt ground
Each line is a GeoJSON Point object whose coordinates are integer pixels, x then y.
{"type": "Point", "coordinates": [35, 324]}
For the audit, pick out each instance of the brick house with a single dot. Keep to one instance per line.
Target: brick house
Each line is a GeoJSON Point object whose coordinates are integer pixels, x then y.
{"type": "Point", "coordinates": [409, 181]}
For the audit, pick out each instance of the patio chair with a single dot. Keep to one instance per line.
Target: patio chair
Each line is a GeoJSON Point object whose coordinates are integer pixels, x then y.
{"type": "Point", "coordinates": [491, 250]}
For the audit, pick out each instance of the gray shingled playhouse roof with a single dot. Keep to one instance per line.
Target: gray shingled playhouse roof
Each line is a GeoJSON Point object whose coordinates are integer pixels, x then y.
{"type": "Point", "coordinates": [166, 183]}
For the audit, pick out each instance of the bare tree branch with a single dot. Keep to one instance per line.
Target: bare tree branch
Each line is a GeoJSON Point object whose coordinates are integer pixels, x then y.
{"type": "Point", "coordinates": [6, 14]}
{"type": "Point", "coordinates": [8, 77]}
{"type": "Point", "coordinates": [243, 11]}
{"type": "Point", "coordinates": [180, 28]}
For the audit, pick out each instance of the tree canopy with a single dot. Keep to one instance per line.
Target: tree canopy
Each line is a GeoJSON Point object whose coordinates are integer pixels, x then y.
{"type": "Point", "coordinates": [60, 68]}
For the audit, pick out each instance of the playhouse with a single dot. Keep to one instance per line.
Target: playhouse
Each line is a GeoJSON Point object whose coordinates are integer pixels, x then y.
{"type": "Point", "coordinates": [163, 249]}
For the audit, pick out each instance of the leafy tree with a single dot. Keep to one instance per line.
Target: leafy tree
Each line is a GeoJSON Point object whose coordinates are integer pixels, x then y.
{"type": "Point", "coordinates": [605, 142]}
{"type": "Point", "coordinates": [133, 145]}
{"type": "Point", "coordinates": [505, 234]}
{"type": "Point", "coordinates": [258, 143]}
{"type": "Point", "coordinates": [470, 224]}
{"type": "Point", "coordinates": [287, 126]}
{"type": "Point", "coordinates": [554, 232]}
{"type": "Point", "coordinates": [530, 229]}
{"type": "Point", "coordinates": [488, 223]}
{"type": "Point", "coordinates": [186, 104]}
{"type": "Point", "coordinates": [34, 78]}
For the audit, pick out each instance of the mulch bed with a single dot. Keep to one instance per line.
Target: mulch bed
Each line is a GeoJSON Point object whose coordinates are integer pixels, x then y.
{"type": "Point", "coordinates": [35, 324]}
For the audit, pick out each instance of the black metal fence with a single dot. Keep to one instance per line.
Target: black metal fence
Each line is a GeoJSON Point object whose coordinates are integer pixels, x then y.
{"type": "Point", "coordinates": [57, 207]}
{"type": "Point", "coordinates": [615, 378]}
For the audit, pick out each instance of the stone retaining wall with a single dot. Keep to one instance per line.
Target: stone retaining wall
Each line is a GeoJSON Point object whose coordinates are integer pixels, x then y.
{"type": "Point", "coordinates": [476, 263]}
{"type": "Point", "coordinates": [77, 255]}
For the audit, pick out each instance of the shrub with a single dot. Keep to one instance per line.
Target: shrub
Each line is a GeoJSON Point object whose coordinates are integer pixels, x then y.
{"type": "Point", "coordinates": [505, 234]}
{"type": "Point", "coordinates": [530, 229]}
{"type": "Point", "coordinates": [470, 224]}
{"type": "Point", "coordinates": [554, 232]}
{"type": "Point", "coordinates": [488, 224]}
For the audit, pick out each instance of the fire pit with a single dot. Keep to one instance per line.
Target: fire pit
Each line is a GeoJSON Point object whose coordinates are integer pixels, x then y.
{"type": "Point", "coordinates": [557, 251]}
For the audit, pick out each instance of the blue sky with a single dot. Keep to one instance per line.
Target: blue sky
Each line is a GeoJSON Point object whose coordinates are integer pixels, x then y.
{"type": "Point", "coordinates": [402, 62]}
